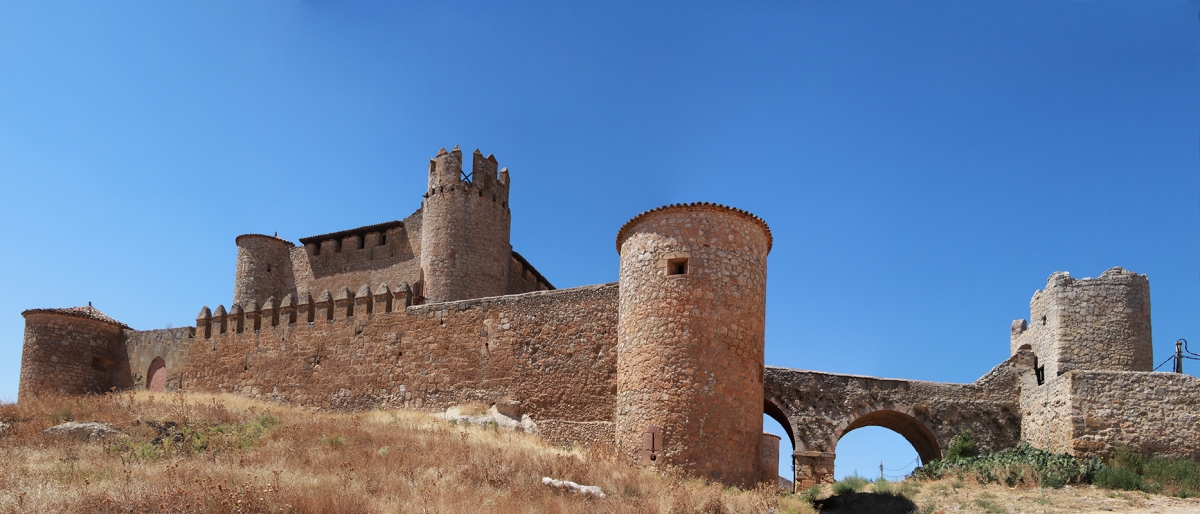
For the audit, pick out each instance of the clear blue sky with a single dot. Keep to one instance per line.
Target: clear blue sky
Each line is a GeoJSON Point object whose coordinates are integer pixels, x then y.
{"type": "Point", "coordinates": [924, 166]}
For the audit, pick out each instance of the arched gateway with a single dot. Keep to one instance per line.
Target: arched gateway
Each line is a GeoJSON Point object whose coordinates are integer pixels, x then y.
{"type": "Point", "coordinates": [817, 409]}
{"type": "Point", "coordinates": [156, 376]}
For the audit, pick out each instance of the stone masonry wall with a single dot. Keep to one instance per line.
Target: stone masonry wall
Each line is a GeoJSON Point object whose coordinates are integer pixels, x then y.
{"type": "Point", "coordinates": [1098, 323]}
{"type": "Point", "coordinates": [819, 408]}
{"type": "Point", "coordinates": [143, 346]}
{"type": "Point", "coordinates": [690, 351]}
{"type": "Point", "coordinates": [337, 263]}
{"type": "Point", "coordinates": [69, 355]}
{"type": "Point", "coordinates": [1088, 413]}
{"type": "Point", "coordinates": [553, 351]}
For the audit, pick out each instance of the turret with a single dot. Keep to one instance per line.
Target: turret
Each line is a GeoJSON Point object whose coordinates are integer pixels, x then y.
{"type": "Point", "coordinates": [465, 248]}
{"type": "Point", "coordinates": [264, 268]}
{"type": "Point", "coordinates": [1100, 323]}
{"type": "Point", "coordinates": [690, 340]}
{"type": "Point", "coordinates": [73, 351]}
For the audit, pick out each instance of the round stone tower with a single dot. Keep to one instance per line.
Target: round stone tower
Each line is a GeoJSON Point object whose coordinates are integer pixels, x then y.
{"type": "Point", "coordinates": [465, 249]}
{"type": "Point", "coordinates": [76, 350]}
{"type": "Point", "coordinates": [264, 269]}
{"type": "Point", "coordinates": [690, 340]}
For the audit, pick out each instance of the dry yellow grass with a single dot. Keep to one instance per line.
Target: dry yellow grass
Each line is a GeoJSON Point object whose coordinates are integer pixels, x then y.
{"type": "Point", "coordinates": [233, 454]}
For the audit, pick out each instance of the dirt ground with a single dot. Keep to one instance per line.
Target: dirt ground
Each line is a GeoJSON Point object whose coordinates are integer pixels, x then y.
{"type": "Point", "coordinates": [950, 495]}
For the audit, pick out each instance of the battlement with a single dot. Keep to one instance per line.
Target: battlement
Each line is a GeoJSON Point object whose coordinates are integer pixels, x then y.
{"type": "Point", "coordinates": [446, 176]}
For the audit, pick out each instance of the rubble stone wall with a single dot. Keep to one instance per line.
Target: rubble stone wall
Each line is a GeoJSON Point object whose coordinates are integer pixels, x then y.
{"type": "Point", "coordinates": [1087, 413]}
{"type": "Point", "coordinates": [143, 346]}
{"type": "Point", "coordinates": [819, 408]}
{"type": "Point", "coordinates": [553, 351]}
{"type": "Point", "coordinates": [1098, 323]}
{"type": "Point", "coordinates": [67, 354]}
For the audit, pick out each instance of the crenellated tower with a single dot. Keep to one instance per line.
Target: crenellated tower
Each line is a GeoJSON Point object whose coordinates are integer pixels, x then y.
{"type": "Point", "coordinates": [465, 249]}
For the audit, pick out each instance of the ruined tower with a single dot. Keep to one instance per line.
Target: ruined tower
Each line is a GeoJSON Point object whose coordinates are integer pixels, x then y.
{"type": "Point", "coordinates": [690, 340]}
{"type": "Point", "coordinates": [465, 250]}
{"type": "Point", "coordinates": [1094, 324]}
{"type": "Point", "coordinates": [74, 351]}
{"type": "Point", "coordinates": [264, 269]}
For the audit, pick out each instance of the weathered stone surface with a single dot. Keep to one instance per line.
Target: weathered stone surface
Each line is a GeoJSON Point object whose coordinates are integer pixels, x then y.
{"type": "Point", "coordinates": [690, 340]}
{"type": "Point", "coordinates": [84, 431]}
{"type": "Point", "coordinates": [1087, 413]}
{"type": "Point", "coordinates": [817, 409]}
{"type": "Point", "coordinates": [666, 364]}
{"type": "Point", "coordinates": [4, 427]}
{"type": "Point", "coordinates": [1098, 323]}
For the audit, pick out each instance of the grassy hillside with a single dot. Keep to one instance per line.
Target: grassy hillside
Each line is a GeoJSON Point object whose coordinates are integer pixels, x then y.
{"type": "Point", "coordinates": [219, 453]}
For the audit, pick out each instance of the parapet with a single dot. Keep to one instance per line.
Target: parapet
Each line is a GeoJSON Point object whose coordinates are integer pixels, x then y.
{"type": "Point", "coordinates": [1100, 323]}
{"type": "Point", "coordinates": [445, 170]}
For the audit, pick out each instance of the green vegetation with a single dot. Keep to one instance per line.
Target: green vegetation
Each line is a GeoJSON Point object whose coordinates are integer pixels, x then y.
{"type": "Point", "coordinates": [850, 484]}
{"type": "Point", "coordinates": [1161, 475]}
{"type": "Point", "coordinates": [961, 447]}
{"type": "Point", "coordinates": [1026, 465]}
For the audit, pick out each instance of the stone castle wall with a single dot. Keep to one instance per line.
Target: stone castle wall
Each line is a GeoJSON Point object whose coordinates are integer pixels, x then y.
{"type": "Point", "coordinates": [1087, 413]}
{"type": "Point", "coordinates": [690, 350]}
{"type": "Point", "coordinates": [1098, 323]}
{"type": "Point", "coordinates": [552, 351]}
{"type": "Point", "coordinates": [68, 354]}
{"type": "Point", "coordinates": [389, 256]}
{"type": "Point", "coordinates": [141, 347]}
{"type": "Point", "coordinates": [263, 268]}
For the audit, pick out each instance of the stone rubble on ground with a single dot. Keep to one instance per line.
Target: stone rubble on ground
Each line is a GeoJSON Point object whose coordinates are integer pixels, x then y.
{"type": "Point", "coordinates": [502, 415]}
{"type": "Point", "coordinates": [4, 427]}
{"type": "Point", "coordinates": [573, 487]}
{"type": "Point", "coordinates": [84, 431]}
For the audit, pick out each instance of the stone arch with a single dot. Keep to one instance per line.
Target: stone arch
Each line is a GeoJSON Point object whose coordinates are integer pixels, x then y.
{"type": "Point", "coordinates": [911, 429]}
{"type": "Point", "coordinates": [776, 413]}
{"type": "Point", "coordinates": [156, 376]}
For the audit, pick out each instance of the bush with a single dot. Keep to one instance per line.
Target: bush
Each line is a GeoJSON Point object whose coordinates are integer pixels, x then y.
{"type": "Point", "coordinates": [849, 485]}
{"type": "Point", "coordinates": [961, 447]}
{"type": "Point", "coordinates": [1021, 465]}
{"type": "Point", "coordinates": [1118, 478]}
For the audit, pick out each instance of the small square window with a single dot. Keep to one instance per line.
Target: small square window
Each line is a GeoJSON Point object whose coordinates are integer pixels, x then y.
{"type": "Point", "coordinates": [677, 266]}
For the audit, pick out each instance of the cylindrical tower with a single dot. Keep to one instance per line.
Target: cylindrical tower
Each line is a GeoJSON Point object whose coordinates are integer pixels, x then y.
{"type": "Point", "coordinates": [72, 351]}
{"type": "Point", "coordinates": [465, 248]}
{"type": "Point", "coordinates": [264, 269]}
{"type": "Point", "coordinates": [690, 340]}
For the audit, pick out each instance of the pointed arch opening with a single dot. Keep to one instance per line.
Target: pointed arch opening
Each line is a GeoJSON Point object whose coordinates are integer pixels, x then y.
{"type": "Point", "coordinates": [156, 376]}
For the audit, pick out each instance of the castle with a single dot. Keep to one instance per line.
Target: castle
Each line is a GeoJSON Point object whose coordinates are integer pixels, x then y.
{"type": "Point", "coordinates": [665, 365]}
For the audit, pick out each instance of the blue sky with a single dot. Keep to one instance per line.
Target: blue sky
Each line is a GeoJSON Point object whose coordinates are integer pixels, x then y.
{"type": "Point", "coordinates": [924, 166]}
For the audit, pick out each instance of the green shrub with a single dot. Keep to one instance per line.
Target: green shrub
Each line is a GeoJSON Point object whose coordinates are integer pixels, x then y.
{"type": "Point", "coordinates": [850, 484]}
{"type": "Point", "coordinates": [1118, 478]}
{"type": "Point", "coordinates": [961, 447]}
{"type": "Point", "coordinates": [1012, 467]}
{"type": "Point", "coordinates": [882, 486]}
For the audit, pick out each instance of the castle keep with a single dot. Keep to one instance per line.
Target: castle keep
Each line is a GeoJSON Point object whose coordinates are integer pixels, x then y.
{"type": "Point", "coordinates": [665, 365]}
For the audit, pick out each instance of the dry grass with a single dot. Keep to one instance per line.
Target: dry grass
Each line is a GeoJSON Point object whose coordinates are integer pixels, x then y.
{"type": "Point", "coordinates": [231, 454]}
{"type": "Point", "coordinates": [967, 495]}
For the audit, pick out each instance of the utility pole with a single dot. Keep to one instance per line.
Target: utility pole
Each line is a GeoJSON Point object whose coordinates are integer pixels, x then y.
{"type": "Point", "coordinates": [1179, 356]}
{"type": "Point", "coordinates": [881, 470]}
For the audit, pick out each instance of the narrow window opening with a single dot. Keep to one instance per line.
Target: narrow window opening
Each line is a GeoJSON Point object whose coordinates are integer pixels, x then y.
{"type": "Point", "coordinates": [268, 268]}
{"type": "Point", "coordinates": [1043, 320]}
{"type": "Point", "coordinates": [317, 249]}
{"type": "Point", "coordinates": [362, 243]}
{"type": "Point", "coordinates": [382, 239]}
{"type": "Point", "coordinates": [677, 266]}
{"type": "Point", "coordinates": [1041, 374]}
